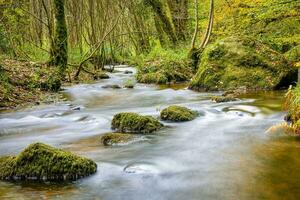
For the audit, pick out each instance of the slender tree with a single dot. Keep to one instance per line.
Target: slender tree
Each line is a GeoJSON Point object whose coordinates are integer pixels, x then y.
{"type": "Point", "coordinates": [59, 51]}
{"type": "Point", "coordinates": [195, 53]}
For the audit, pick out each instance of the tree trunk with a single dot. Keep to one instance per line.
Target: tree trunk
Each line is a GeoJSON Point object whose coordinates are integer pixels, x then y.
{"type": "Point", "coordinates": [60, 47]}
{"type": "Point", "coordinates": [179, 13]}
{"type": "Point", "coordinates": [166, 23]}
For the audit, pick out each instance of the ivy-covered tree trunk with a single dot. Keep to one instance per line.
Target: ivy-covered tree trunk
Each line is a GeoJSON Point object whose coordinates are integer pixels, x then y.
{"type": "Point", "coordinates": [59, 51]}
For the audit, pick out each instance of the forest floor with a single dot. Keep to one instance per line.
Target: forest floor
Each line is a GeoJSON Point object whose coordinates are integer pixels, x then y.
{"type": "Point", "coordinates": [20, 85]}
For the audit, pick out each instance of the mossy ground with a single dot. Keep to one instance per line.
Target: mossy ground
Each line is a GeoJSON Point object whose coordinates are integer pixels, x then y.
{"type": "Point", "coordinates": [116, 138]}
{"type": "Point", "coordinates": [292, 105]}
{"type": "Point", "coordinates": [134, 123]}
{"type": "Point", "coordinates": [26, 83]}
{"type": "Point", "coordinates": [163, 66]}
{"type": "Point", "coordinates": [255, 43]}
{"type": "Point", "coordinates": [177, 114]}
{"type": "Point", "coordinates": [23, 82]}
{"type": "Point", "coordinates": [42, 162]}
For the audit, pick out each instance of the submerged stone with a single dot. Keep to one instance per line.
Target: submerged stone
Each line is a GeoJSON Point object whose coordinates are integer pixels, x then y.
{"type": "Point", "coordinates": [222, 99]}
{"type": "Point", "coordinates": [135, 123]}
{"type": "Point", "coordinates": [177, 114]}
{"type": "Point", "coordinates": [128, 72]}
{"type": "Point", "coordinates": [112, 86]}
{"type": "Point", "coordinates": [42, 162]}
{"type": "Point", "coordinates": [116, 138]}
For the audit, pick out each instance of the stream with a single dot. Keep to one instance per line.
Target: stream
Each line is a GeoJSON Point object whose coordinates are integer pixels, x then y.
{"type": "Point", "coordinates": [225, 153]}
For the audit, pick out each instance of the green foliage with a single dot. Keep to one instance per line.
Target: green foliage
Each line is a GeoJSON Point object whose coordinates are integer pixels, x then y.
{"type": "Point", "coordinates": [116, 138]}
{"type": "Point", "coordinates": [292, 105]}
{"type": "Point", "coordinates": [178, 114]}
{"type": "Point", "coordinates": [42, 162]}
{"type": "Point", "coordinates": [135, 123]}
{"type": "Point", "coordinates": [276, 23]}
{"type": "Point", "coordinates": [4, 43]}
{"type": "Point", "coordinates": [163, 66]}
{"type": "Point", "coordinates": [129, 84]}
{"type": "Point", "coordinates": [242, 61]}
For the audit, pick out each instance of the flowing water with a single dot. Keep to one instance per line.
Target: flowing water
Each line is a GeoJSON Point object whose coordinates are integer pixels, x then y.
{"type": "Point", "coordinates": [225, 153]}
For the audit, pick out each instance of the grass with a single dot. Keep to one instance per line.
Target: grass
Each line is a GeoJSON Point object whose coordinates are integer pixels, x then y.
{"type": "Point", "coordinates": [292, 105]}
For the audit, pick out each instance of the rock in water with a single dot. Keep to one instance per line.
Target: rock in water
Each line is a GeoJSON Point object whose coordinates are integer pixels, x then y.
{"type": "Point", "coordinates": [135, 123]}
{"type": "Point", "coordinates": [223, 99]}
{"type": "Point", "coordinates": [178, 114]}
{"type": "Point", "coordinates": [112, 86]}
{"type": "Point", "coordinates": [42, 162]}
{"type": "Point", "coordinates": [128, 72]}
{"type": "Point", "coordinates": [116, 138]}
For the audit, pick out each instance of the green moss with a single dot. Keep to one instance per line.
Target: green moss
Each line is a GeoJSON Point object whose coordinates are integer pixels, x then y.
{"type": "Point", "coordinates": [135, 123]}
{"type": "Point", "coordinates": [178, 114]}
{"type": "Point", "coordinates": [242, 61]}
{"type": "Point", "coordinates": [40, 161]}
{"type": "Point", "coordinates": [221, 99]}
{"type": "Point", "coordinates": [292, 103]}
{"type": "Point", "coordinates": [162, 72]}
{"type": "Point", "coordinates": [116, 138]}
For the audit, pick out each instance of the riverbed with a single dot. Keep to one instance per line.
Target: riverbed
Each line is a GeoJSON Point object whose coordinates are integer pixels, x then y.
{"type": "Point", "coordinates": [225, 153]}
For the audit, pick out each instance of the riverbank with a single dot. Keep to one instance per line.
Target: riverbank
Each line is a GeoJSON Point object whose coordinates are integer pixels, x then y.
{"type": "Point", "coordinates": [24, 83]}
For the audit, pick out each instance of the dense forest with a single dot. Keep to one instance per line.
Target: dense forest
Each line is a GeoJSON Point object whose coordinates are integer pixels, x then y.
{"type": "Point", "coordinates": [236, 48]}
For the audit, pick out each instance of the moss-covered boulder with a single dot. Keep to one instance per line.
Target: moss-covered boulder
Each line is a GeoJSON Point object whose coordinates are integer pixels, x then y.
{"type": "Point", "coordinates": [135, 123]}
{"type": "Point", "coordinates": [42, 162]}
{"type": "Point", "coordinates": [241, 61]}
{"type": "Point", "coordinates": [109, 139]}
{"type": "Point", "coordinates": [222, 99]}
{"type": "Point", "coordinates": [178, 114]}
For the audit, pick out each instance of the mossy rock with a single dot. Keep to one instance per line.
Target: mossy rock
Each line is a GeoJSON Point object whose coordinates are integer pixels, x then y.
{"type": "Point", "coordinates": [178, 114]}
{"type": "Point", "coordinates": [112, 86]}
{"type": "Point", "coordinates": [240, 61]}
{"type": "Point", "coordinates": [116, 138]}
{"type": "Point", "coordinates": [128, 122]}
{"type": "Point", "coordinates": [222, 99]}
{"type": "Point", "coordinates": [101, 75]}
{"type": "Point", "coordinates": [42, 162]}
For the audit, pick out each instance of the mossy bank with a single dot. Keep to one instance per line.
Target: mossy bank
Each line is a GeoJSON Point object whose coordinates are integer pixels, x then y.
{"type": "Point", "coordinates": [42, 162]}
{"type": "Point", "coordinates": [236, 62]}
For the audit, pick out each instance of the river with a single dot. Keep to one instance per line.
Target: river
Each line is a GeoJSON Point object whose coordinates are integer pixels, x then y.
{"type": "Point", "coordinates": [225, 153]}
